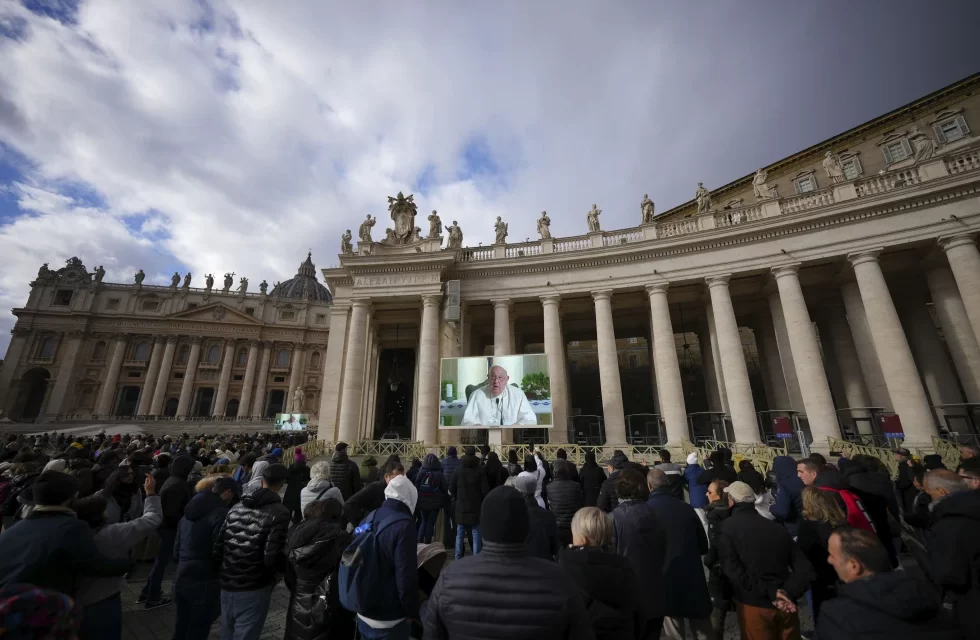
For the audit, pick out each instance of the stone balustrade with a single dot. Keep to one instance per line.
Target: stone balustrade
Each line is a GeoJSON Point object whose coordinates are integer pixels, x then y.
{"type": "Point", "coordinates": [806, 201]}
{"type": "Point", "coordinates": [964, 162]}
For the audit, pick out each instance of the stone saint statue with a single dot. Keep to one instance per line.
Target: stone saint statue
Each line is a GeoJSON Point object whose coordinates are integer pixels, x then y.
{"type": "Point", "coordinates": [831, 164]}
{"type": "Point", "coordinates": [209, 281]}
{"type": "Point", "coordinates": [592, 217]}
{"type": "Point", "coordinates": [646, 208]}
{"type": "Point", "coordinates": [500, 227]}
{"type": "Point", "coordinates": [346, 247]}
{"type": "Point", "coordinates": [298, 399]}
{"type": "Point", "coordinates": [187, 280]}
{"type": "Point", "coordinates": [544, 226]}
{"type": "Point", "coordinates": [364, 232]}
{"type": "Point", "coordinates": [264, 286]}
{"type": "Point", "coordinates": [99, 274]}
{"type": "Point", "coordinates": [922, 145]}
{"type": "Point", "coordinates": [139, 278]}
{"type": "Point", "coordinates": [243, 285]}
{"type": "Point", "coordinates": [455, 236]}
{"type": "Point", "coordinates": [43, 272]}
{"type": "Point", "coordinates": [760, 185]}
{"type": "Point", "coordinates": [228, 282]}
{"type": "Point", "coordinates": [435, 225]}
{"type": "Point", "coordinates": [703, 197]}
{"type": "Point", "coordinates": [174, 280]}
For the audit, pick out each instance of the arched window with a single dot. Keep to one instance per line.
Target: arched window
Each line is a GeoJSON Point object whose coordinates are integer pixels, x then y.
{"type": "Point", "coordinates": [98, 351]}
{"type": "Point", "coordinates": [315, 360]}
{"type": "Point", "coordinates": [184, 354]}
{"type": "Point", "coordinates": [282, 358]}
{"type": "Point", "coordinates": [46, 350]}
{"type": "Point", "coordinates": [142, 353]}
{"type": "Point", "coordinates": [213, 354]}
{"type": "Point", "coordinates": [242, 358]}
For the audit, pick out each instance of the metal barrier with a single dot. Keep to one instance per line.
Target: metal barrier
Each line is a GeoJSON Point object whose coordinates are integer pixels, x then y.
{"type": "Point", "coordinates": [947, 450]}
{"type": "Point", "coordinates": [850, 449]}
{"type": "Point", "coordinates": [760, 455]}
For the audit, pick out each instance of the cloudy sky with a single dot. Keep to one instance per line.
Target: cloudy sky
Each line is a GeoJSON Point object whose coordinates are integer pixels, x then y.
{"type": "Point", "coordinates": [220, 135]}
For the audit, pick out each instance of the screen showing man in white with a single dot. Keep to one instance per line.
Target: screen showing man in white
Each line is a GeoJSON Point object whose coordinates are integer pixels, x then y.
{"type": "Point", "coordinates": [499, 403]}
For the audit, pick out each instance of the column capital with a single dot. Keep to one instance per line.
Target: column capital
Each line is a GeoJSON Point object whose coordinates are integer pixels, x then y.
{"type": "Point", "coordinates": [956, 240]}
{"type": "Point", "coordinates": [362, 303]}
{"type": "Point", "coordinates": [197, 340]}
{"type": "Point", "coordinates": [862, 257]}
{"type": "Point", "coordinates": [792, 269]}
{"type": "Point", "coordinates": [172, 339]}
{"type": "Point", "coordinates": [298, 347]}
{"type": "Point", "coordinates": [431, 299]}
{"type": "Point", "coordinates": [720, 280]}
{"type": "Point", "coordinates": [657, 288]}
{"type": "Point", "coordinates": [550, 298]}
{"type": "Point", "coordinates": [602, 294]}
{"type": "Point", "coordinates": [502, 302]}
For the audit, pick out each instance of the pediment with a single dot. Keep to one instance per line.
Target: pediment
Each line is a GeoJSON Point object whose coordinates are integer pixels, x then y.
{"type": "Point", "coordinates": [946, 114]}
{"type": "Point", "coordinates": [891, 137]}
{"type": "Point", "coordinates": [215, 312]}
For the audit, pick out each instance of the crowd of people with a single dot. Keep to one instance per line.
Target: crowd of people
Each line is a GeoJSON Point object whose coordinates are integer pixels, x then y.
{"type": "Point", "coordinates": [541, 548]}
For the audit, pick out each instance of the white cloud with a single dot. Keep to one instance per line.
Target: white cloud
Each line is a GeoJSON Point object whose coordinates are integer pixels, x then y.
{"type": "Point", "coordinates": [237, 135]}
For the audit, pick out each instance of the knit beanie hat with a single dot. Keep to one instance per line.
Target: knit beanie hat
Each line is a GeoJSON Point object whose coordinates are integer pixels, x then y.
{"type": "Point", "coordinates": [55, 488]}
{"type": "Point", "coordinates": [504, 517]}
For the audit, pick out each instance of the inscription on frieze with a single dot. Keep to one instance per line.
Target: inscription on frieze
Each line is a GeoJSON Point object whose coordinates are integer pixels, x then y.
{"type": "Point", "coordinates": [397, 280]}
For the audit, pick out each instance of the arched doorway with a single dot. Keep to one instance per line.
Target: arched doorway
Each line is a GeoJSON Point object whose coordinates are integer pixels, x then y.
{"type": "Point", "coordinates": [33, 386]}
{"type": "Point", "coordinates": [231, 410]}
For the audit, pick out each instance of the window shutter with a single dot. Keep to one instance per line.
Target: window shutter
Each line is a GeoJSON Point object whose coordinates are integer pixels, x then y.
{"type": "Point", "coordinates": [907, 147]}
{"type": "Point", "coordinates": [796, 183]}
{"type": "Point", "coordinates": [938, 128]}
{"type": "Point", "coordinates": [887, 154]}
{"type": "Point", "coordinates": [961, 121]}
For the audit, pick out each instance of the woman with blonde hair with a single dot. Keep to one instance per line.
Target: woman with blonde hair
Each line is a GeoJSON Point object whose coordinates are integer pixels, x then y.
{"type": "Point", "coordinates": [822, 515]}
{"type": "Point", "coordinates": [606, 580]}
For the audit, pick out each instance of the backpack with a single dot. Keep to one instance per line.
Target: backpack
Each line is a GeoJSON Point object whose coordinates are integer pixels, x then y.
{"type": "Point", "coordinates": [857, 517]}
{"type": "Point", "coordinates": [426, 488]}
{"type": "Point", "coordinates": [362, 576]}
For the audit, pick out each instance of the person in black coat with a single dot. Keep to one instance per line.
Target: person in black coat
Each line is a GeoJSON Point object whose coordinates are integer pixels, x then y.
{"type": "Point", "coordinates": [904, 485]}
{"type": "Point", "coordinates": [590, 478]}
{"type": "Point", "coordinates": [788, 507]}
{"type": "Point", "coordinates": [564, 500]}
{"type": "Point", "coordinates": [561, 454]}
{"type": "Point", "coordinates": [501, 592]}
{"type": "Point", "coordinates": [822, 516]}
{"type": "Point", "coordinates": [876, 493]}
{"type": "Point", "coordinates": [607, 494]}
{"type": "Point", "coordinates": [197, 591]}
{"type": "Point", "coordinates": [641, 538]}
{"type": "Point", "coordinates": [313, 549]}
{"type": "Point", "coordinates": [718, 469]}
{"type": "Point", "coordinates": [496, 473]}
{"type": "Point", "coordinates": [174, 496]}
{"type": "Point", "coordinates": [298, 476]}
{"type": "Point", "coordinates": [432, 489]}
{"type": "Point", "coordinates": [468, 488]}
{"type": "Point", "coordinates": [513, 464]}
{"type": "Point", "coordinates": [372, 496]}
{"type": "Point", "coordinates": [876, 602]}
{"type": "Point", "coordinates": [719, 588]}
{"type": "Point", "coordinates": [606, 579]}
{"type": "Point", "coordinates": [542, 542]}
{"type": "Point", "coordinates": [343, 472]}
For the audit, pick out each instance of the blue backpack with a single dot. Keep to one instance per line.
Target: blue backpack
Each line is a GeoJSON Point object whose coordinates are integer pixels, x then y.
{"type": "Point", "coordinates": [362, 577]}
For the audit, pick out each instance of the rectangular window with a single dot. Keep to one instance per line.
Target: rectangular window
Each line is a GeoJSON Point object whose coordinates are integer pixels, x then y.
{"type": "Point", "coordinates": [150, 305]}
{"type": "Point", "coordinates": [250, 311]}
{"type": "Point", "coordinates": [321, 318]}
{"type": "Point", "coordinates": [632, 340]}
{"type": "Point", "coordinates": [951, 130]}
{"type": "Point", "coordinates": [287, 315]}
{"type": "Point", "coordinates": [112, 304]}
{"type": "Point", "coordinates": [63, 298]}
{"type": "Point", "coordinates": [897, 151]}
{"type": "Point", "coordinates": [279, 378]}
{"type": "Point", "coordinates": [851, 169]}
{"type": "Point", "coordinates": [178, 375]}
{"type": "Point", "coordinates": [134, 374]}
{"type": "Point", "coordinates": [805, 184]}
{"type": "Point", "coordinates": [238, 377]}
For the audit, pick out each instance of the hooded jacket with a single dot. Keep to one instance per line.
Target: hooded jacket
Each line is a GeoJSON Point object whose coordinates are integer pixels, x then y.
{"type": "Point", "coordinates": [176, 492]}
{"type": "Point", "coordinates": [469, 487]}
{"type": "Point", "coordinates": [255, 477]}
{"type": "Point", "coordinates": [886, 606]}
{"type": "Point", "coordinates": [252, 542]}
{"type": "Point", "coordinates": [788, 507]}
{"type": "Point", "coordinates": [698, 492]}
{"type": "Point", "coordinates": [345, 474]}
{"type": "Point", "coordinates": [319, 487]}
{"type": "Point", "coordinates": [197, 534]}
{"type": "Point", "coordinates": [954, 556]}
{"type": "Point", "coordinates": [431, 484]}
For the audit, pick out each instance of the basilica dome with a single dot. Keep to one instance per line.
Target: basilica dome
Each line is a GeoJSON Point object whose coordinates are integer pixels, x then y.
{"type": "Point", "coordinates": [304, 286]}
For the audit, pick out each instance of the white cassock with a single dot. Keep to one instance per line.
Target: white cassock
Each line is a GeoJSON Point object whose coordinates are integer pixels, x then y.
{"type": "Point", "coordinates": [512, 404]}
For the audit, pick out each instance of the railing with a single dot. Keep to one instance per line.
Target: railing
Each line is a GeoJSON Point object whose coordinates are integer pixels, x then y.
{"type": "Point", "coordinates": [760, 455]}
{"type": "Point", "coordinates": [215, 291]}
{"type": "Point", "coordinates": [888, 182]}
{"type": "Point", "coordinates": [576, 243]}
{"type": "Point", "coordinates": [678, 227]}
{"type": "Point", "coordinates": [475, 254]}
{"type": "Point", "coordinates": [523, 249]}
{"type": "Point", "coordinates": [806, 201]}
{"type": "Point", "coordinates": [850, 449]}
{"type": "Point", "coordinates": [969, 161]}
{"type": "Point", "coordinates": [615, 238]}
{"type": "Point", "coordinates": [739, 215]}
{"type": "Point", "coordinates": [948, 451]}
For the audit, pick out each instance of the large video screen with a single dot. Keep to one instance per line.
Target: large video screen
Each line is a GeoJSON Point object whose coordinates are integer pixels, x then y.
{"type": "Point", "coordinates": [291, 421]}
{"type": "Point", "coordinates": [499, 391]}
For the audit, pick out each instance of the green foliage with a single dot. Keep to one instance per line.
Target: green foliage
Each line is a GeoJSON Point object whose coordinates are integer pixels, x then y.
{"type": "Point", "coordinates": [536, 386]}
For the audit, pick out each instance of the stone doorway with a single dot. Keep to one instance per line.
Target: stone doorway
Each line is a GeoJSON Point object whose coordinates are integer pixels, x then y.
{"type": "Point", "coordinates": [34, 385]}
{"type": "Point", "coordinates": [129, 398]}
{"type": "Point", "coordinates": [203, 402]}
{"type": "Point", "coordinates": [277, 400]}
{"type": "Point", "coordinates": [396, 394]}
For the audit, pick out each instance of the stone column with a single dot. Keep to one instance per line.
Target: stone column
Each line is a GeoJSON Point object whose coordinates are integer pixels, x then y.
{"type": "Point", "coordinates": [668, 370]}
{"type": "Point", "coordinates": [787, 367]}
{"type": "Point", "coordinates": [836, 336]}
{"type": "Point", "coordinates": [503, 345]}
{"type": "Point", "coordinates": [112, 377]}
{"type": "Point", "coordinates": [350, 394]}
{"type": "Point", "coordinates": [333, 372]}
{"type": "Point", "coordinates": [864, 346]}
{"type": "Point", "coordinates": [298, 362]}
{"type": "Point", "coordinates": [768, 346]}
{"type": "Point", "coordinates": [711, 384]}
{"type": "Point", "coordinates": [427, 414]}
{"type": "Point", "coordinates": [160, 390]}
{"type": "Point", "coordinates": [258, 405]}
{"type": "Point", "coordinates": [740, 403]}
{"type": "Point", "coordinates": [964, 261]}
{"type": "Point", "coordinates": [187, 386]}
{"type": "Point", "coordinates": [66, 365]}
{"type": "Point", "coordinates": [716, 357]}
{"type": "Point", "coordinates": [554, 348]}
{"type": "Point", "coordinates": [612, 389]}
{"type": "Point", "coordinates": [224, 380]}
{"type": "Point", "coordinates": [245, 402]}
{"type": "Point", "coordinates": [930, 355]}
{"type": "Point", "coordinates": [152, 372]}
{"type": "Point", "coordinates": [814, 388]}
{"type": "Point", "coordinates": [962, 343]}
{"type": "Point", "coordinates": [15, 351]}
{"type": "Point", "coordinates": [897, 365]}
